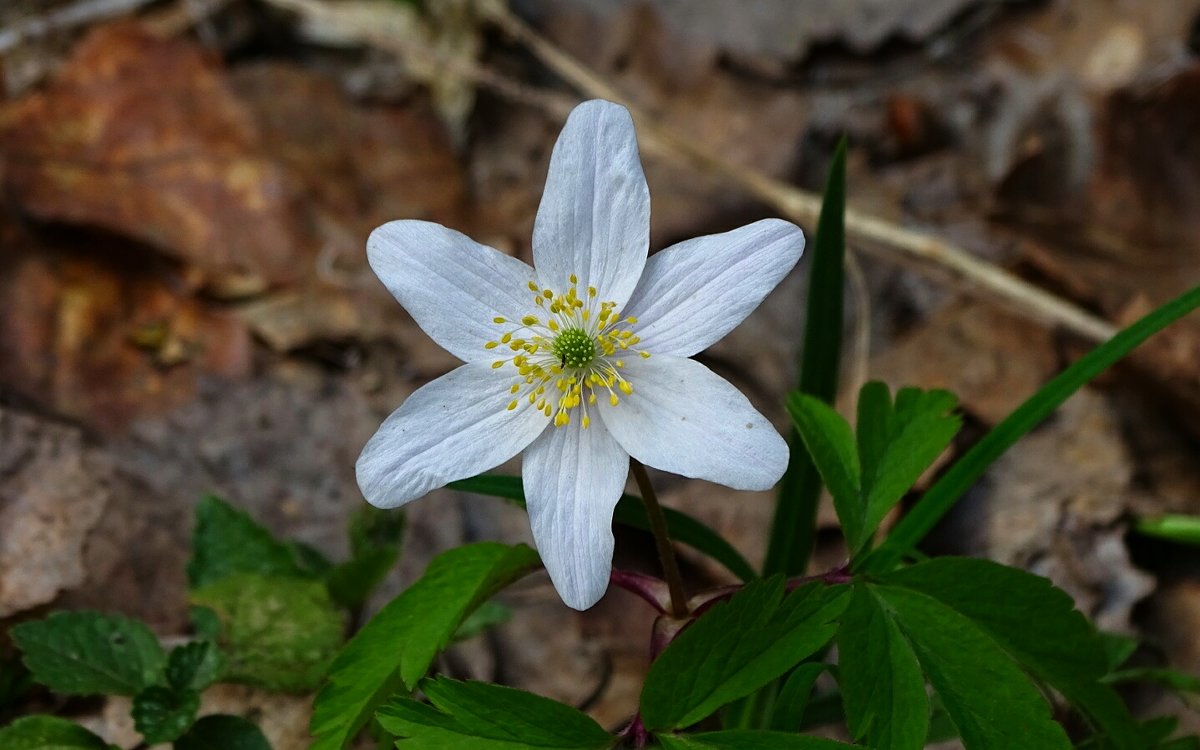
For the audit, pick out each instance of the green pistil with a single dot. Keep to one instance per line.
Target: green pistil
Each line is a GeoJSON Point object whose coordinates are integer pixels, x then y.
{"type": "Point", "coordinates": [574, 348]}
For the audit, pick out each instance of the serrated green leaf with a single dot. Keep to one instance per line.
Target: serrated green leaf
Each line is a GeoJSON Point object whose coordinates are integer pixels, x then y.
{"type": "Point", "coordinates": [227, 541]}
{"type": "Point", "coordinates": [919, 429]}
{"type": "Point", "coordinates": [49, 733]}
{"type": "Point", "coordinates": [280, 633]}
{"type": "Point", "coordinates": [479, 714]}
{"type": "Point", "coordinates": [793, 527]}
{"type": "Point", "coordinates": [942, 496]}
{"type": "Point", "coordinates": [788, 710]}
{"type": "Point", "coordinates": [223, 732]}
{"type": "Point", "coordinates": [748, 739]}
{"type": "Point", "coordinates": [736, 647]}
{"type": "Point", "coordinates": [881, 681]}
{"type": "Point", "coordinates": [1117, 648]}
{"type": "Point", "coordinates": [194, 666]}
{"type": "Point", "coordinates": [88, 653]}
{"type": "Point", "coordinates": [991, 701]}
{"type": "Point", "coordinates": [831, 445]}
{"type": "Point", "coordinates": [1038, 626]}
{"type": "Point", "coordinates": [630, 512]}
{"type": "Point", "coordinates": [397, 646]}
{"type": "Point", "coordinates": [161, 714]}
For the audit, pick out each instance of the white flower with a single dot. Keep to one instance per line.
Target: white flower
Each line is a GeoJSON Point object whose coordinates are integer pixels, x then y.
{"type": "Point", "coordinates": [581, 361]}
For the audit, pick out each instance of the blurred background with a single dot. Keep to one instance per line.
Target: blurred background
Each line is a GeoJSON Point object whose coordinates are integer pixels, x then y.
{"type": "Point", "coordinates": [185, 305]}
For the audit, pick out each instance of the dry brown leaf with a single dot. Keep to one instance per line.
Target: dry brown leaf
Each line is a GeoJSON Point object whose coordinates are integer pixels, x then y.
{"type": "Point", "coordinates": [143, 137]}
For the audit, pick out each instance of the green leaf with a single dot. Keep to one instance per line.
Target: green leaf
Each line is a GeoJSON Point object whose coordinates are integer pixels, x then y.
{"type": "Point", "coordinates": [194, 666]}
{"type": "Point", "coordinates": [88, 653]}
{"type": "Point", "coordinates": [227, 541]}
{"type": "Point", "coordinates": [881, 681]}
{"type": "Point", "coordinates": [49, 733]}
{"type": "Point", "coordinates": [991, 701]}
{"type": "Point", "coordinates": [919, 429]}
{"type": "Point", "coordinates": [396, 647]}
{"type": "Point", "coordinates": [736, 647]}
{"type": "Point", "coordinates": [743, 739]}
{"type": "Point", "coordinates": [1038, 626]}
{"type": "Point", "coordinates": [1173, 527]}
{"type": "Point", "coordinates": [1172, 679]}
{"type": "Point", "coordinates": [279, 633]}
{"type": "Point", "coordinates": [794, 525]}
{"type": "Point", "coordinates": [830, 443]}
{"type": "Point", "coordinates": [874, 425]}
{"type": "Point", "coordinates": [479, 714]}
{"type": "Point", "coordinates": [223, 732]}
{"type": "Point", "coordinates": [788, 710]}
{"type": "Point", "coordinates": [1117, 649]}
{"type": "Point", "coordinates": [161, 714]}
{"type": "Point", "coordinates": [942, 496]}
{"type": "Point", "coordinates": [630, 512]}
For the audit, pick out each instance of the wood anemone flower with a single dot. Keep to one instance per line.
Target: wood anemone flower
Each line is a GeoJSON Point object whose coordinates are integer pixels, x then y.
{"type": "Point", "coordinates": [581, 361]}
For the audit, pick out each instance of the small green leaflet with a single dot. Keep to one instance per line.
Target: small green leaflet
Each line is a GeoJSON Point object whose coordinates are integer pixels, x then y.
{"type": "Point", "coordinates": [988, 697]}
{"type": "Point", "coordinates": [630, 512]}
{"type": "Point", "coordinates": [277, 632]}
{"type": "Point", "coordinates": [895, 444]}
{"type": "Point", "coordinates": [736, 647]}
{"type": "Point", "coordinates": [748, 739]}
{"type": "Point", "coordinates": [49, 733]}
{"type": "Point", "coordinates": [88, 653]}
{"type": "Point", "coordinates": [223, 732]}
{"type": "Point", "coordinates": [882, 685]}
{"type": "Point", "coordinates": [1036, 624]}
{"type": "Point", "coordinates": [227, 541]}
{"type": "Point", "coordinates": [395, 649]}
{"type": "Point", "coordinates": [481, 715]}
{"type": "Point", "coordinates": [788, 710]}
{"type": "Point", "coordinates": [960, 477]}
{"type": "Point", "coordinates": [161, 714]}
{"type": "Point", "coordinates": [194, 666]}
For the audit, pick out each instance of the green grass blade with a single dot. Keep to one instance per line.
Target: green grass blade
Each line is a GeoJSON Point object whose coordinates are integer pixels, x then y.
{"type": "Point", "coordinates": [1173, 527]}
{"type": "Point", "coordinates": [630, 512]}
{"type": "Point", "coordinates": [967, 470]}
{"type": "Point", "coordinates": [794, 525]}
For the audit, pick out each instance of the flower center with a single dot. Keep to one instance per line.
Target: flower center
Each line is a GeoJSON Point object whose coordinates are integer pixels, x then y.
{"type": "Point", "coordinates": [567, 352]}
{"type": "Point", "coordinates": [574, 348]}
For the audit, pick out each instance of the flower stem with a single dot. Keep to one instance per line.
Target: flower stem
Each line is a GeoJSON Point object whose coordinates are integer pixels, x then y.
{"type": "Point", "coordinates": [658, 525]}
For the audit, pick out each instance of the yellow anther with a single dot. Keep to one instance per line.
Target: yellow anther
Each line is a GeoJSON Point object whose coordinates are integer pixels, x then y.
{"type": "Point", "coordinates": [592, 397]}
{"type": "Point", "coordinates": [498, 364]}
{"type": "Point", "coordinates": [547, 294]}
{"type": "Point", "coordinates": [574, 279]}
{"type": "Point", "coordinates": [644, 355]}
{"type": "Point", "coordinates": [515, 387]}
{"type": "Point", "coordinates": [546, 410]}
{"type": "Point", "coordinates": [625, 387]}
{"type": "Point", "coordinates": [612, 399]}
{"type": "Point", "coordinates": [533, 287]}
{"type": "Point", "coordinates": [499, 320]}
{"type": "Point", "coordinates": [591, 291]}
{"type": "Point", "coordinates": [561, 419]}
{"type": "Point", "coordinates": [506, 338]}
{"type": "Point", "coordinates": [490, 345]}
{"type": "Point", "coordinates": [631, 320]}
{"type": "Point", "coordinates": [586, 421]}
{"type": "Point", "coordinates": [553, 325]}
{"type": "Point", "coordinates": [512, 405]}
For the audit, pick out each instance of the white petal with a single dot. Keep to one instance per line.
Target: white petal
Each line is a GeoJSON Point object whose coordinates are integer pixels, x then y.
{"type": "Point", "coordinates": [573, 479]}
{"type": "Point", "coordinates": [452, 428]}
{"type": "Point", "coordinates": [451, 285]}
{"type": "Point", "coordinates": [685, 419]}
{"type": "Point", "coordinates": [694, 293]}
{"type": "Point", "coordinates": [594, 220]}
